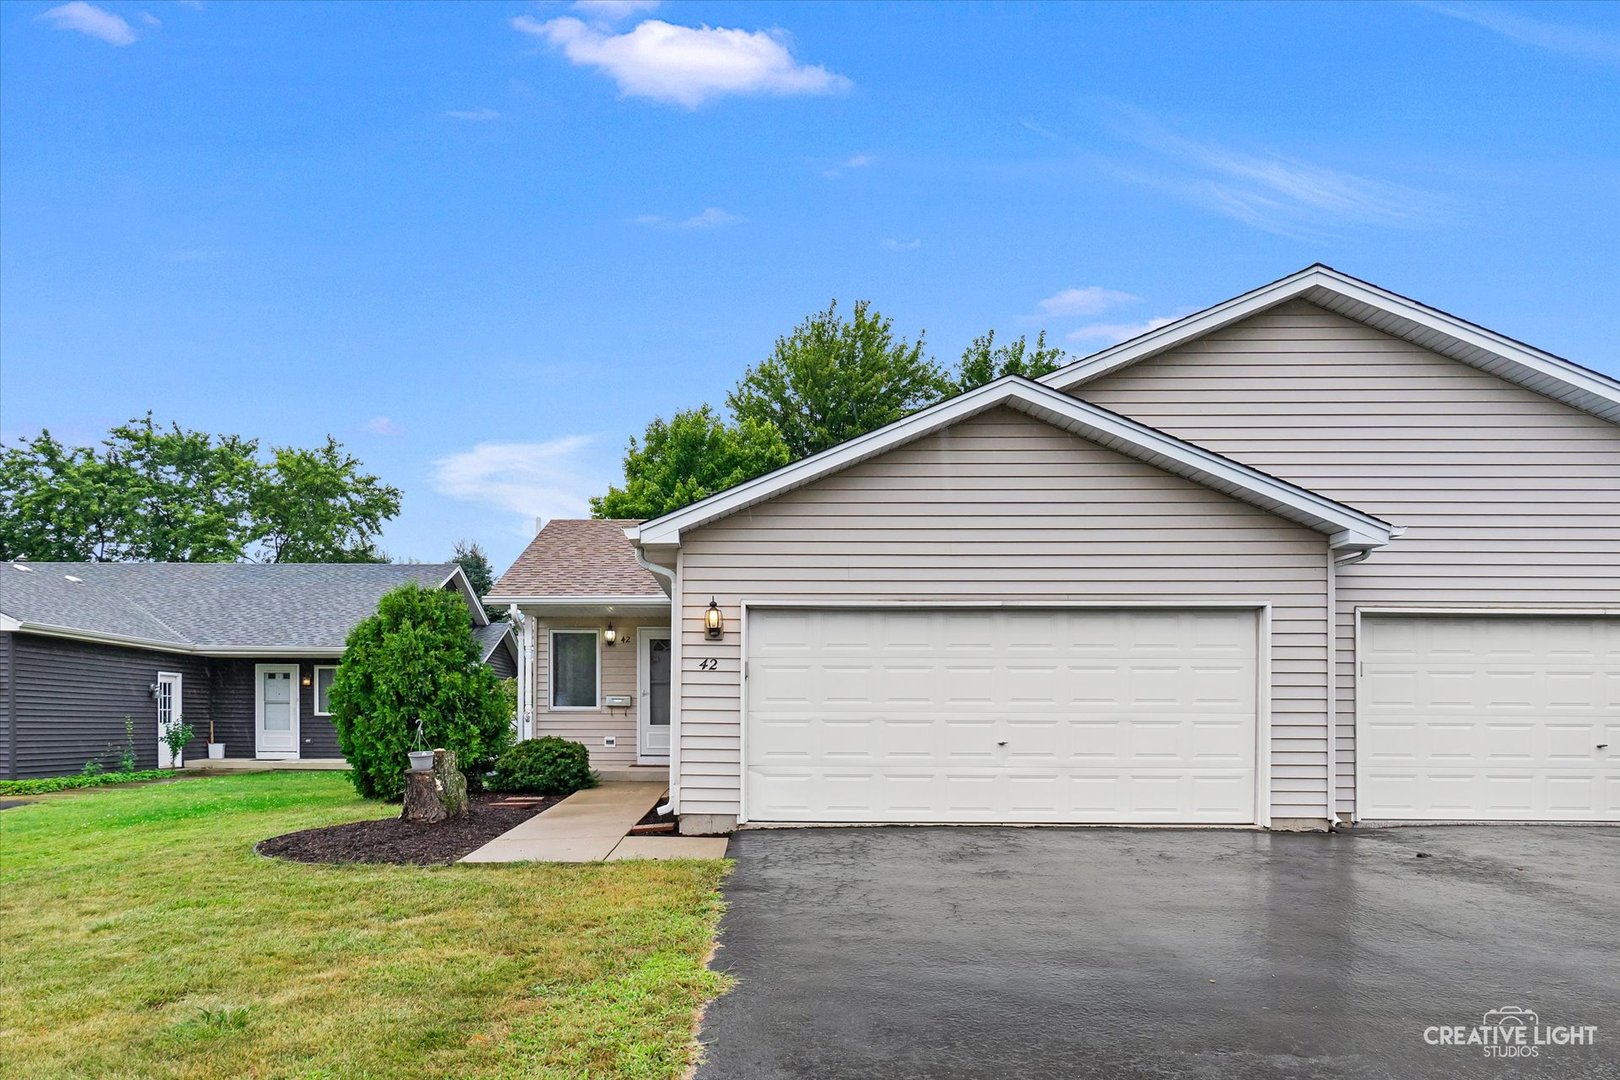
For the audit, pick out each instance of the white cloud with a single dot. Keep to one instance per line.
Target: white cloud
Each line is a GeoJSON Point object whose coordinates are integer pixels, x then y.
{"type": "Point", "coordinates": [685, 65]}
{"type": "Point", "coordinates": [1268, 190]}
{"type": "Point", "coordinates": [711, 218]}
{"type": "Point", "coordinates": [854, 161]}
{"type": "Point", "coordinates": [1090, 300]}
{"type": "Point", "coordinates": [89, 19]}
{"type": "Point", "coordinates": [1585, 42]}
{"type": "Point", "coordinates": [382, 425]}
{"type": "Point", "coordinates": [544, 479]}
{"type": "Point", "coordinates": [901, 245]}
{"type": "Point", "coordinates": [612, 10]}
{"type": "Point", "coordinates": [472, 114]}
{"type": "Point", "coordinates": [150, 19]}
{"type": "Point", "coordinates": [1112, 333]}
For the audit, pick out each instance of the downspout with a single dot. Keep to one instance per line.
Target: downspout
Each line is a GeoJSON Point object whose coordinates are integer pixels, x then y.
{"type": "Point", "coordinates": [668, 577]}
{"type": "Point", "coordinates": [1333, 690]}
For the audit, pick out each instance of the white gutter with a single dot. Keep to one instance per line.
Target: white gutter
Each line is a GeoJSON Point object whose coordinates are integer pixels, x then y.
{"type": "Point", "coordinates": [177, 647]}
{"type": "Point", "coordinates": [649, 600]}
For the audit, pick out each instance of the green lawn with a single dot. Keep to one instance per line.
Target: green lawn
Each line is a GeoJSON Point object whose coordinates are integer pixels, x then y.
{"type": "Point", "coordinates": [140, 936]}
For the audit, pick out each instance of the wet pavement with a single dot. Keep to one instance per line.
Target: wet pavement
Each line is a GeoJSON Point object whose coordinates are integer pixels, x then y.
{"type": "Point", "coordinates": [997, 953]}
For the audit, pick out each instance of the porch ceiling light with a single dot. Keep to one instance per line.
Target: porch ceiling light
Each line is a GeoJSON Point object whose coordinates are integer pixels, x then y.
{"type": "Point", "coordinates": [610, 635]}
{"type": "Point", "coordinates": [714, 621]}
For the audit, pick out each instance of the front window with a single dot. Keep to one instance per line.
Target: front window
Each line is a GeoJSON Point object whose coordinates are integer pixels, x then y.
{"type": "Point", "coordinates": [323, 690]}
{"type": "Point", "coordinates": [574, 665]}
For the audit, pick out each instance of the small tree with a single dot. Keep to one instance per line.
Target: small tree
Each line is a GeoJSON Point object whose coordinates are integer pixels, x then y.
{"type": "Point", "coordinates": [416, 661]}
{"type": "Point", "coordinates": [480, 575]}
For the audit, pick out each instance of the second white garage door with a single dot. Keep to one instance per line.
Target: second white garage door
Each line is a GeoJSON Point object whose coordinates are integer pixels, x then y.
{"type": "Point", "coordinates": [1489, 718]}
{"type": "Point", "coordinates": [960, 715]}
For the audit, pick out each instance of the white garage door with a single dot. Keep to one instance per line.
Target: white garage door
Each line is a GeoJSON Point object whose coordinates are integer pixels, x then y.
{"type": "Point", "coordinates": [1492, 718]}
{"type": "Point", "coordinates": [1127, 716]}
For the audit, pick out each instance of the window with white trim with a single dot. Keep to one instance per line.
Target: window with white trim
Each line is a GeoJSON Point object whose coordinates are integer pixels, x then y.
{"type": "Point", "coordinates": [323, 689]}
{"type": "Point", "coordinates": [576, 665]}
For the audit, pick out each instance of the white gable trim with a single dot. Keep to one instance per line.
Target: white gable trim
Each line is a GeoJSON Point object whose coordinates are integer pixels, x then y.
{"type": "Point", "coordinates": [1348, 528]}
{"type": "Point", "coordinates": [1546, 374]}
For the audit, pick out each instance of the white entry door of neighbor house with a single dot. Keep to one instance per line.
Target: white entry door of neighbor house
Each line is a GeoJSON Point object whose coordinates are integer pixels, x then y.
{"type": "Point", "coordinates": [1038, 716]}
{"type": "Point", "coordinates": [170, 713]}
{"type": "Point", "coordinates": [1488, 718]}
{"type": "Point", "coordinates": [653, 673]}
{"type": "Point", "coordinates": [275, 710]}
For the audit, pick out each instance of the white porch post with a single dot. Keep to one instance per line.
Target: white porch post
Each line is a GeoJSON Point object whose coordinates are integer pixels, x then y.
{"type": "Point", "coordinates": [525, 678]}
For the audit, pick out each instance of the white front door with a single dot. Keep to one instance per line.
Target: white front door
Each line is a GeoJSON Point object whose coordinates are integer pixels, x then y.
{"type": "Point", "coordinates": [170, 713]}
{"type": "Point", "coordinates": [275, 710]}
{"type": "Point", "coordinates": [653, 672]}
{"type": "Point", "coordinates": [1035, 716]}
{"type": "Point", "coordinates": [1488, 718]}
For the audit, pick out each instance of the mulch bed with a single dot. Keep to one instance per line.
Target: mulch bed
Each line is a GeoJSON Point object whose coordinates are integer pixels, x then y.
{"type": "Point", "coordinates": [654, 824]}
{"type": "Point", "coordinates": [394, 841]}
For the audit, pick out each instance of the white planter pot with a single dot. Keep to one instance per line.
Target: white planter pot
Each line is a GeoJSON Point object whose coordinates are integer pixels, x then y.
{"type": "Point", "coordinates": [216, 751]}
{"type": "Point", "coordinates": [421, 760]}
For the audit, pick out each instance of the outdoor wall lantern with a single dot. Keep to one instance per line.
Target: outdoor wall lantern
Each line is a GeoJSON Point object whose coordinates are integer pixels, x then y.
{"type": "Point", "coordinates": [714, 621]}
{"type": "Point", "coordinates": [610, 635]}
{"type": "Point", "coordinates": [307, 680]}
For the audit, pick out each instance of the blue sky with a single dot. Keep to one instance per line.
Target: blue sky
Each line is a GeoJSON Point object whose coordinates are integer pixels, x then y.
{"type": "Point", "coordinates": [482, 244]}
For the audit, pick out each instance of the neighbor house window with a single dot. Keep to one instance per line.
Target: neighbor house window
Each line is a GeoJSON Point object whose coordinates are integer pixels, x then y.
{"type": "Point", "coordinates": [323, 690]}
{"type": "Point", "coordinates": [575, 664]}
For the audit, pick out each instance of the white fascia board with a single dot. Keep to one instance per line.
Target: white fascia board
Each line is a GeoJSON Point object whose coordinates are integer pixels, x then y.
{"type": "Point", "coordinates": [459, 576]}
{"type": "Point", "coordinates": [1054, 407]}
{"type": "Point", "coordinates": [181, 648]}
{"type": "Point", "coordinates": [7, 623]}
{"type": "Point", "coordinates": [651, 599]}
{"type": "Point", "coordinates": [1586, 389]}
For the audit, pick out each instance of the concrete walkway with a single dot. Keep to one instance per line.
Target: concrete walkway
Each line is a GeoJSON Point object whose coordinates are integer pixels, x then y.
{"type": "Point", "coordinates": [591, 826]}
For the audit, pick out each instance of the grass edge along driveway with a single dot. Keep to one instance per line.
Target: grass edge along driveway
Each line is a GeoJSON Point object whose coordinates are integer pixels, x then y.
{"type": "Point", "coordinates": [142, 937]}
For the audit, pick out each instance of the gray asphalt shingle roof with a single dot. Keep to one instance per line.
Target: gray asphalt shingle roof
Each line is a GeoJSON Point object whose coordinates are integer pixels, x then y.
{"type": "Point", "coordinates": [208, 605]}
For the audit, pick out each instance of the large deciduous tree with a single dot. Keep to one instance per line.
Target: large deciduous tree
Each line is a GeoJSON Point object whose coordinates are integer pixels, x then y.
{"type": "Point", "coordinates": [834, 378]}
{"type": "Point", "coordinates": [690, 457]}
{"type": "Point", "coordinates": [169, 494]}
{"type": "Point", "coordinates": [984, 361]}
{"type": "Point", "coordinates": [318, 506]}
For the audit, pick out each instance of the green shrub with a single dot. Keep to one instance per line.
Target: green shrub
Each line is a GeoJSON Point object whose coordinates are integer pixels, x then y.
{"type": "Point", "coordinates": [545, 766]}
{"type": "Point", "coordinates": [49, 784]}
{"type": "Point", "coordinates": [416, 662]}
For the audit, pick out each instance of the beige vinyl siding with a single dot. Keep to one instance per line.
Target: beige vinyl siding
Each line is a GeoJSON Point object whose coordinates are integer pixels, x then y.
{"type": "Point", "coordinates": [1004, 507]}
{"type": "Point", "coordinates": [1510, 499]}
{"type": "Point", "coordinates": [618, 677]}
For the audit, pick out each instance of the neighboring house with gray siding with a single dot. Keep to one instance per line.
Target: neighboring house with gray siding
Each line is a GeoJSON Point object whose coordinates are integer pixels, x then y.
{"type": "Point", "coordinates": [1317, 554]}
{"type": "Point", "coordinates": [249, 649]}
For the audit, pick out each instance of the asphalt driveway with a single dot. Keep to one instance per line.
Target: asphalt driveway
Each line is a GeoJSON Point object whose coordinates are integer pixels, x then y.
{"type": "Point", "coordinates": [988, 952]}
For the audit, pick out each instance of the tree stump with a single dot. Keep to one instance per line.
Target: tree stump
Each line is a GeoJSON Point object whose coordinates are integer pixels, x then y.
{"type": "Point", "coordinates": [452, 784]}
{"type": "Point", "coordinates": [423, 805]}
{"type": "Point", "coordinates": [439, 795]}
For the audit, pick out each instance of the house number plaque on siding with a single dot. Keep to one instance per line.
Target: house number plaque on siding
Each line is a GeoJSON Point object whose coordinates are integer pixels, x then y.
{"type": "Point", "coordinates": [711, 664]}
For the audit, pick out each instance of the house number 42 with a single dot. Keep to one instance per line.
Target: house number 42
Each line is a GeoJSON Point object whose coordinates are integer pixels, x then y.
{"type": "Point", "coordinates": [710, 664]}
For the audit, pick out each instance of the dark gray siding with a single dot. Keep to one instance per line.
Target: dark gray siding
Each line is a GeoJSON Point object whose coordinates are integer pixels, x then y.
{"type": "Point", "coordinates": [501, 662]}
{"type": "Point", "coordinates": [7, 766]}
{"type": "Point", "coordinates": [63, 703]}
{"type": "Point", "coordinates": [69, 700]}
{"type": "Point", "coordinates": [234, 705]}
